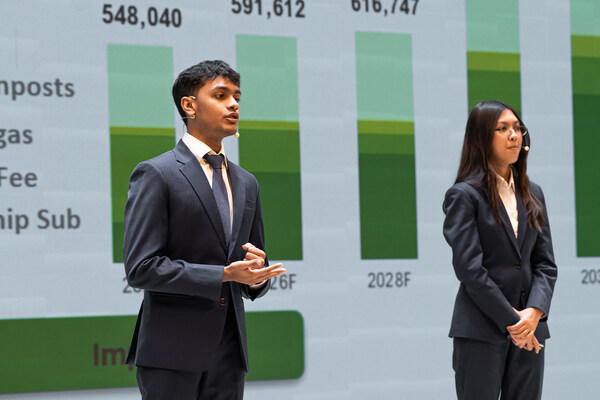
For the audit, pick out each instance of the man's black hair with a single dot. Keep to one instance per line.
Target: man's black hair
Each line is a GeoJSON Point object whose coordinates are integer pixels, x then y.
{"type": "Point", "coordinates": [193, 78]}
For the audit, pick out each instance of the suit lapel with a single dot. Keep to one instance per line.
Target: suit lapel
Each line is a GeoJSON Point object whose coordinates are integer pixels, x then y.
{"type": "Point", "coordinates": [238, 193]}
{"type": "Point", "coordinates": [508, 226]}
{"type": "Point", "coordinates": [194, 174]}
{"type": "Point", "coordinates": [501, 210]}
{"type": "Point", "coordinates": [523, 220]}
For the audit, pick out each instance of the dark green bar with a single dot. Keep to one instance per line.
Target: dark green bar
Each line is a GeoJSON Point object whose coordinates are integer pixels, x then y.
{"type": "Point", "coordinates": [280, 197]}
{"type": "Point", "coordinates": [495, 85]}
{"type": "Point", "coordinates": [46, 354]}
{"type": "Point", "coordinates": [388, 217]}
{"type": "Point", "coordinates": [128, 147]}
{"type": "Point", "coordinates": [374, 143]}
{"type": "Point", "coordinates": [275, 345]}
{"type": "Point", "coordinates": [586, 120]}
{"type": "Point", "coordinates": [586, 75]}
{"type": "Point", "coordinates": [273, 156]}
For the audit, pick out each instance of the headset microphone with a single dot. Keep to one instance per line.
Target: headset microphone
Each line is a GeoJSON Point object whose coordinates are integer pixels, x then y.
{"type": "Point", "coordinates": [237, 134]}
{"type": "Point", "coordinates": [526, 148]}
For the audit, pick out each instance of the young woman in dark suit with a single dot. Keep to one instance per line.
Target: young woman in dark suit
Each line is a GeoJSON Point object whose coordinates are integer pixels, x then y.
{"type": "Point", "coordinates": [497, 225]}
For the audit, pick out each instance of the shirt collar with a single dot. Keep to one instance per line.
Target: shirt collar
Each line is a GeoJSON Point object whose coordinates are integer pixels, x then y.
{"type": "Point", "coordinates": [199, 149]}
{"type": "Point", "coordinates": [502, 182]}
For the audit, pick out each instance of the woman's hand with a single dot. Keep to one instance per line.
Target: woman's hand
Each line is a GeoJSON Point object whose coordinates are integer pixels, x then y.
{"type": "Point", "coordinates": [522, 333]}
{"type": "Point", "coordinates": [528, 344]}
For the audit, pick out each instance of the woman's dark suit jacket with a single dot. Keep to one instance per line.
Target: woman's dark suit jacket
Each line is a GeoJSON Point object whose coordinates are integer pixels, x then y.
{"type": "Point", "coordinates": [496, 270]}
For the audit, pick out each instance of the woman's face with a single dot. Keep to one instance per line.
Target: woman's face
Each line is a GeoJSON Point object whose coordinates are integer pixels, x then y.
{"type": "Point", "coordinates": [507, 141]}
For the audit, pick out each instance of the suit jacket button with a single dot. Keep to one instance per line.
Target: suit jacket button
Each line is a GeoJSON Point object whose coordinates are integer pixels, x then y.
{"type": "Point", "coordinates": [222, 301]}
{"type": "Point", "coordinates": [518, 265]}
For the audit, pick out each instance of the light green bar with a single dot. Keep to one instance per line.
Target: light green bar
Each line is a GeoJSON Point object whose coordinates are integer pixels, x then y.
{"type": "Point", "coordinates": [493, 25]}
{"type": "Point", "coordinates": [384, 76]}
{"type": "Point", "coordinates": [292, 126]}
{"type": "Point", "coordinates": [269, 73]}
{"type": "Point", "coordinates": [493, 61]}
{"type": "Point", "coordinates": [386, 127]}
{"type": "Point", "coordinates": [145, 131]}
{"type": "Point", "coordinates": [140, 79]}
{"type": "Point", "coordinates": [585, 46]}
{"type": "Point", "coordinates": [585, 17]}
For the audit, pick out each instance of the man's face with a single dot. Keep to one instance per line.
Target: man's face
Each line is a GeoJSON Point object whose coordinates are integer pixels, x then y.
{"type": "Point", "coordinates": [218, 108]}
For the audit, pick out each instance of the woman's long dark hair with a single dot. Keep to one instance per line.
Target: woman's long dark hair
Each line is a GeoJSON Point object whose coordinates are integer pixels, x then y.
{"type": "Point", "coordinates": [476, 157]}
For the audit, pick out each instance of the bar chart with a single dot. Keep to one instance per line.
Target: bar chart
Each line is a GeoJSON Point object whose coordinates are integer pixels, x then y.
{"type": "Point", "coordinates": [386, 149]}
{"type": "Point", "coordinates": [141, 118]}
{"type": "Point", "coordinates": [585, 63]}
{"type": "Point", "coordinates": [269, 142]}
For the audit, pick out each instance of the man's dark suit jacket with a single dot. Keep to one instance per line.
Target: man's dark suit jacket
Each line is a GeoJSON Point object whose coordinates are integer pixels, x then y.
{"type": "Point", "coordinates": [496, 270]}
{"type": "Point", "coordinates": [175, 250]}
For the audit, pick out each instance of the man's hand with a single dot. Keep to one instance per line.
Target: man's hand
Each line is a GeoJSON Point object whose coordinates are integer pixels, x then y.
{"type": "Point", "coordinates": [253, 253]}
{"type": "Point", "coordinates": [250, 272]}
{"type": "Point", "coordinates": [525, 328]}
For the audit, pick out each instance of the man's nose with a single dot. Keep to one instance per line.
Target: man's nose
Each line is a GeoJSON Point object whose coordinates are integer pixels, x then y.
{"type": "Point", "coordinates": [233, 104]}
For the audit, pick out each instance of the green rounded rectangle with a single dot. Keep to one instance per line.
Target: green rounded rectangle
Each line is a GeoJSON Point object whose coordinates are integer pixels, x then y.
{"type": "Point", "coordinates": [47, 354]}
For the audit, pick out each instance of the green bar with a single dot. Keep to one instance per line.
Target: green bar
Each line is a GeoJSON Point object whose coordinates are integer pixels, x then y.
{"type": "Point", "coordinates": [269, 125]}
{"type": "Point", "coordinates": [269, 140]}
{"type": "Point", "coordinates": [387, 206]}
{"type": "Point", "coordinates": [585, 63]}
{"type": "Point", "coordinates": [46, 354]}
{"type": "Point", "coordinates": [386, 127]}
{"type": "Point", "coordinates": [584, 17]}
{"type": "Point", "coordinates": [140, 79]}
{"type": "Point", "coordinates": [494, 85]}
{"type": "Point", "coordinates": [373, 143]}
{"type": "Point", "coordinates": [586, 119]}
{"type": "Point", "coordinates": [268, 66]}
{"type": "Point", "coordinates": [493, 25]}
{"type": "Point", "coordinates": [493, 61]}
{"type": "Point", "coordinates": [586, 75]}
{"type": "Point", "coordinates": [585, 46]}
{"type": "Point", "coordinates": [388, 216]}
{"type": "Point", "coordinates": [126, 151]}
{"type": "Point", "coordinates": [141, 118]}
{"type": "Point", "coordinates": [286, 158]}
{"type": "Point", "coordinates": [145, 131]}
{"type": "Point", "coordinates": [384, 68]}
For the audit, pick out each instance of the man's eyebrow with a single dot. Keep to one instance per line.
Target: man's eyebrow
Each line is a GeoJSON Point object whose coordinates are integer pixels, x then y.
{"type": "Point", "coordinates": [226, 89]}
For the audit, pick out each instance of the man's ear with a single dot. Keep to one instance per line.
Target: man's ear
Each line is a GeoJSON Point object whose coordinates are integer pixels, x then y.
{"type": "Point", "coordinates": [189, 106]}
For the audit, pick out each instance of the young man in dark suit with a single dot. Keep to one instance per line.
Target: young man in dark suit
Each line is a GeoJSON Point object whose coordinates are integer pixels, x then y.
{"type": "Point", "coordinates": [193, 242]}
